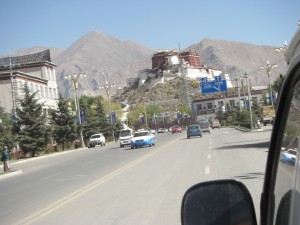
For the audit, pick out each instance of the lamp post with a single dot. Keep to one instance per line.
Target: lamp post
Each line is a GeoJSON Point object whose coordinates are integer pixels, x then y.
{"type": "Point", "coordinates": [145, 115]}
{"type": "Point", "coordinates": [268, 68]}
{"type": "Point", "coordinates": [74, 78]}
{"type": "Point", "coordinates": [155, 121]}
{"type": "Point", "coordinates": [13, 91]}
{"type": "Point", "coordinates": [107, 87]}
{"type": "Point", "coordinates": [246, 76]}
{"type": "Point", "coordinates": [239, 93]}
{"type": "Point", "coordinates": [282, 49]}
{"type": "Point", "coordinates": [141, 117]}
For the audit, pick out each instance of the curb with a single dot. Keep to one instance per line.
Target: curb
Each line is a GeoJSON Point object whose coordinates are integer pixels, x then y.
{"type": "Point", "coordinates": [10, 174]}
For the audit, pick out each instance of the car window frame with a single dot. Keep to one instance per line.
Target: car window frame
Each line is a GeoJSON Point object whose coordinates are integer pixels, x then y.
{"type": "Point", "coordinates": [282, 111]}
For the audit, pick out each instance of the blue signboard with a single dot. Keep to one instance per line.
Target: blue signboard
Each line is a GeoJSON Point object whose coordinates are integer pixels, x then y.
{"type": "Point", "coordinates": [218, 85]}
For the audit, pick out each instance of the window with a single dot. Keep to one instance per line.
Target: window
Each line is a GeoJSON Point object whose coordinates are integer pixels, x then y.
{"type": "Point", "coordinates": [209, 105]}
{"type": "Point", "coordinates": [31, 87]}
{"type": "Point", "coordinates": [232, 102]}
{"type": "Point", "coordinates": [50, 93]}
{"type": "Point", "coordinates": [220, 104]}
{"type": "Point", "coordinates": [199, 106]}
{"type": "Point", "coordinates": [46, 92]}
{"type": "Point", "coordinates": [42, 91]}
{"type": "Point", "coordinates": [285, 182]}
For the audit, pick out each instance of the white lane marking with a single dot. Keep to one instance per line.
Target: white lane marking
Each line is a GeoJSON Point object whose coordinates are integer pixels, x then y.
{"type": "Point", "coordinates": [207, 170]}
{"type": "Point", "coordinates": [209, 156]}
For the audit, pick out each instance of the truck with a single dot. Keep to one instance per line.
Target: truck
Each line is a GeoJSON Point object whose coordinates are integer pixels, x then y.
{"type": "Point", "coordinates": [268, 114]}
{"type": "Point", "coordinates": [125, 136]}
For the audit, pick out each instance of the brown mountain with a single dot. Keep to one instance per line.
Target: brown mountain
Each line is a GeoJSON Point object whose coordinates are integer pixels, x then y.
{"type": "Point", "coordinates": [236, 58]}
{"type": "Point", "coordinates": [102, 57]}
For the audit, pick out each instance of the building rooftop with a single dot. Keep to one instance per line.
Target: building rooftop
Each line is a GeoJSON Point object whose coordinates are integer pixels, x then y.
{"type": "Point", "coordinates": [26, 59]}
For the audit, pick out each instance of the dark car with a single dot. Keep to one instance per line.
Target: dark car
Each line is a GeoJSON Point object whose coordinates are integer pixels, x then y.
{"type": "Point", "coordinates": [176, 129]}
{"type": "Point", "coordinates": [229, 201]}
{"type": "Point", "coordinates": [205, 126]}
{"type": "Point", "coordinates": [194, 131]}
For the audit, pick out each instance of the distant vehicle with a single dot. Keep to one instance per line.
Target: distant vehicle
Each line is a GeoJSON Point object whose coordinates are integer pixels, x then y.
{"type": "Point", "coordinates": [205, 126]}
{"type": "Point", "coordinates": [125, 137]}
{"type": "Point", "coordinates": [96, 139]}
{"type": "Point", "coordinates": [194, 131]}
{"type": "Point", "coordinates": [216, 124]}
{"type": "Point", "coordinates": [142, 138]}
{"type": "Point", "coordinates": [176, 129]}
{"type": "Point", "coordinates": [162, 130]}
{"type": "Point", "coordinates": [289, 156]}
{"type": "Point", "coordinates": [268, 114]}
{"type": "Point", "coordinates": [152, 131]}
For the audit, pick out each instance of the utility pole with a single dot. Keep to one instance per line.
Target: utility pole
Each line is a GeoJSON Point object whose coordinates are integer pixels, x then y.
{"type": "Point", "coordinates": [239, 93]}
{"type": "Point", "coordinates": [107, 87]}
{"type": "Point", "coordinates": [268, 69]}
{"type": "Point", "coordinates": [74, 78]}
{"type": "Point", "coordinates": [246, 76]}
{"type": "Point", "coordinates": [13, 96]}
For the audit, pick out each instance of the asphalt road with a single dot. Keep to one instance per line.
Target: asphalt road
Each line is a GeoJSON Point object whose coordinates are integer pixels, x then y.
{"type": "Point", "coordinates": [112, 185]}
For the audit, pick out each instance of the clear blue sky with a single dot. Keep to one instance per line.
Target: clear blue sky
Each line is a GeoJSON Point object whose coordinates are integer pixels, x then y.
{"type": "Point", "coordinates": [155, 24]}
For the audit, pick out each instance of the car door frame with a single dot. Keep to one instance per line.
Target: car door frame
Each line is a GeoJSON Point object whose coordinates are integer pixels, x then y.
{"type": "Point", "coordinates": [282, 111]}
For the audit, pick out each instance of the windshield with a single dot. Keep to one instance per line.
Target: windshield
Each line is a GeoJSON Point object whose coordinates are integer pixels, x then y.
{"type": "Point", "coordinates": [125, 133]}
{"type": "Point", "coordinates": [139, 134]}
{"type": "Point", "coordinates": [95, 136]}
{"type": "Point", "coordinates": [108, 97]}
{"type": "Point", "coordinates": [193, 127]}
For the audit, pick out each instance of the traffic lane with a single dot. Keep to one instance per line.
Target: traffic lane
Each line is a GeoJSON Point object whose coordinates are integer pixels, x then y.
{"type": "Point", "coordinates": [149, 192]}
{"type": "Point", "coordinates": [242, 156]}
{"type": "Point", "coordinates": [48, 178]}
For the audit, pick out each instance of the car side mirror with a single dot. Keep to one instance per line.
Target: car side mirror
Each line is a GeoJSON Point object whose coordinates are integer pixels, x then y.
{"type": "Point", "coordinates": [216, 203]}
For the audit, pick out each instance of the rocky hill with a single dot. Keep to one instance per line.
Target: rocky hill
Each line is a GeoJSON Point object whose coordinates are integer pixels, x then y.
{"type": "Point", "coordinates": [103, 57]}
{"type": "Point", "coordinates": [236, 58]}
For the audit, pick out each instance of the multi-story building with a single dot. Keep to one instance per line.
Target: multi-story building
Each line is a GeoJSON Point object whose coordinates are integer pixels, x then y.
{"type": "Point", "coordinates": [35, 70]}
{"type": "Point", "coordinates": [207, 108]}
{"type": "Point", "coordinates": [162, 58]}
{"type": "Point", "coordinates": [192, 58]}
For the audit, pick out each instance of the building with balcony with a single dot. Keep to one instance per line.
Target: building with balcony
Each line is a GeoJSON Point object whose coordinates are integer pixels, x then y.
{"type": "Point", "coordinates": [35, 70]}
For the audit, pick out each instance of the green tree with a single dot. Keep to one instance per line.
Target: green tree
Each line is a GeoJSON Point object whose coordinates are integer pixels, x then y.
{"type": "Point", "coordinates": [256, 109]}
{"type": "Point", "coordinates": [278, 83]}
{"type": "Point", "coordinates": [6, 125]}
{"type": "Point", "coordinates": [96, 120]}
{"type": "Point", "coordinates": [34, 133]}
{"type": "Point", "coordinates": [63, 123]}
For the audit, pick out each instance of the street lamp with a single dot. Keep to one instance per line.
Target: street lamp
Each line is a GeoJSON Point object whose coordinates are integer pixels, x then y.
{"type": "Point", "coordinates": [155, 121]}
{"type": "Point", "coordinates": [268, 68]}
{"type": "Point", "coordinates": [282, 49]}
{"type": "Point", "coordinates": [246, 76]}
{"type": "Point", "coordinates": [74, 78]}
{"type": "Point", "coordinates": [141, 117]}
{"type": "Point", "coordinates": [107, 87]}
{"type": "Point", "coordinates": [145, 111]}
{"type": "Point", "coordinates": [239, 93]}
{"type": "Point", "coordinates": [13, 95]}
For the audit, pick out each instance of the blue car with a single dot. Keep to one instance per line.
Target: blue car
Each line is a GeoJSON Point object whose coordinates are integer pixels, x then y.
{"type": "Point", "coordinates": [142, 138]}
{"type": "Point", "coordinates": [194, 131]}
{"type": "Point", "coordinates": [289, 156]}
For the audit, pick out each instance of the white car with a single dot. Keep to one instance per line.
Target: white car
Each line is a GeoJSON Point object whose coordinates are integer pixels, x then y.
{"type": "Point", "coordinates": [142, 138]}
{"type": "Point", "coordinates": [96, 139]}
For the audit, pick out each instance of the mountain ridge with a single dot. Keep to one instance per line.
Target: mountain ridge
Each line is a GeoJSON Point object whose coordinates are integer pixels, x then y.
{"type": "Point", "coordinates": [103, 57]}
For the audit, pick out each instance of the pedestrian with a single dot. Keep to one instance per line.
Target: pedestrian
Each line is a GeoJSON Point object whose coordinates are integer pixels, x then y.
{"type": "Point", "coordinates": [5, 159]}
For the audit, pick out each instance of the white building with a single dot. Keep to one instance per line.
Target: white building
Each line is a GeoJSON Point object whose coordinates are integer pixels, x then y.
{"type": "Point", "coordinates": [35, 70]}
{"type": "Point", "coordinates": [207, 108]}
